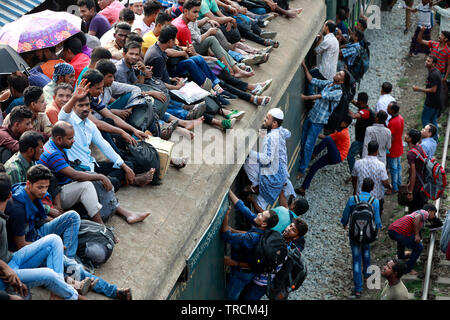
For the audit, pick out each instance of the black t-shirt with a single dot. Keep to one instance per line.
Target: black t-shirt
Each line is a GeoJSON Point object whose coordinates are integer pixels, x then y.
{"type": "Point", "coordinates": [433, 100]}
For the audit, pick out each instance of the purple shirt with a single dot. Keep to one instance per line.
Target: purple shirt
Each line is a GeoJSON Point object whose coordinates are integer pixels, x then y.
{"type": "Point", "coordinates": [99, 24]}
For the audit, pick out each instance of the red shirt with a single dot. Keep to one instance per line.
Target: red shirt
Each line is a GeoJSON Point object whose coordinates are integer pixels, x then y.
{"type": "Point", "coordinates": [79, 62]}
{"type": "Point", "coordinates": [184, 34]}
{"type": "Point", "coordinates": [52, 112]}
{"type": "Point", "coordinates": [396, 125]}
{"type": "Point", "coordinates": [342, 141]}
{"type": "Point", "coordinates": [440, 54]}
{"type": "Point", "coordinates": [405, 225]}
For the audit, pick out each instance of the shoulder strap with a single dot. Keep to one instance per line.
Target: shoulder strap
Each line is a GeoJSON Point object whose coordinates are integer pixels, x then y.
{"type": "Point", "coordinates": [371, 200]}
{"type": "Point", "coordinates": [356, 199]}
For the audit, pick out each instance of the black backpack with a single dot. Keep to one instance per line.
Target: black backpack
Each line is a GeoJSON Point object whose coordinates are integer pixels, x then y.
{"type": "Point", "coordinates": [269, 253]}
{"type": "Point", "coordinates": [143, 117]}
{"type": "Point", "coordinates": [144, 157]}
{"type": "Point", "coordinates": [95, 243]}
{"type": "Point", "coordinates": [362, 228]}
{"type": "Point", "coordinates": [362, 62]}
{"type": "Point", "coordinates": [289, 278]}
{"type": "Point", "coordinates": [341, 110]}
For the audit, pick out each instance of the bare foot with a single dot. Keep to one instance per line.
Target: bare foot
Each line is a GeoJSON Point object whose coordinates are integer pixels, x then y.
{"type": "Point", "coordinates": [144, 179]}
{"type": "Point", "coordinates": [137, 217]}
{"type": "Point", "coordinates": [191, 124]}
{"type": "Point", "coordinates": [243, 74]}
{"type": "Point", "coordinates": [293, 13]}
{"type": "Point", "coordinates": [185, 132]}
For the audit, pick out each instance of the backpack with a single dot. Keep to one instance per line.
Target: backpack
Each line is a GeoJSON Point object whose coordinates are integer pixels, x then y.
{"type": "Point", "coordinates": [362, 228]}
{"type": "Point", "coordinates": [445, 235]}
{"type": "Point", "coordinates": [341, 110]}
{"type": "Point", "coordinates": [362, 62]}
{"type": "Point", "coordinates": [95, 243]}
{"type": "Point", "coordinates": [144, 157]}
{"type": "Point", "coordinates": [269, 253]}
{"type": "Point", "coordinates": [289, 278]}
{"type": "Point", "coordinates": [143, 117]}
{"type": "Point", "coordinates": [434, 177]}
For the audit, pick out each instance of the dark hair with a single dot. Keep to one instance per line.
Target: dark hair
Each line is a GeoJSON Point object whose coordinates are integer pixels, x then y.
{"type": "Point", "coordinates": [150, 7]}
{"type": "Point", "coordinates": [189, 4]}
{"type": "Point", "coordinates": [86, 3]}
{"type": "Point", "coordinates": [73, 44]}
{"type": "Point", "coordinates": [301, 206]}
{"type": "Point", "coordinates": [359, 35]}
{"type": "Point", "coordinates": [331, 26]}
{"type": "Point", "coordinates": [93, 76]}
{"type": "Point", "coordinates": [363, 23]}
{"type": "Point", "coordinates": [372, 147]}
{"type": "Point", "coordinates": [18, 114]}
{"type": "Point", "coordinates": [106, 66]}
{"type": "Point", "coordinates": [272, 220]}
{"type": "Point", "coordinates": [131, 45]}
{"type": "Point", "coordinates": [5, 186]}
{"type": "Point", "coordinates": [363, 97]}
{"type": "Point", "coordinates": [162, 17]}
{"type": "Point", "coordinates": [399, 268]}
{"type": "Point", "coordinates": [415, 135]}
{"type": "Point", "coordinates": [433, 129]}
{"type": "Point", "coordinates": [100, 53]}
{"type": "Point", "coordinates": [434, 58]}
{"type": "Point", "coordinates": [429, 207]}
{"type": "Point", "coordinates": [386, 87]}
{"type": "Point", "coordinates": [62, 86]}
{"type": "Point", "coordinates": [38, 172]}
{"type": "Point", "coordinates": [301, 226]}
{"type": "Point", "coordinates": [382, 116]}
{"type": "Point", "coordinates": [394, 106]}
{"type": "Point", "coordinates": [279, 121]}
{"type": "Point", "coordinates": [168, 33]}
{"type": "Point", "coordinates": [18, 81]}
{"type": "Point", "coordinates": [347, 119]}
{"type": "Point", "coordinates": [134, 37]}
{"type": "Point", "coordinates": [446, 34]}
{"type": "Point", "coordinates": [32, 94]}
{"type": "Point", "coordinates": [30, 139]}
{"type": "Point", "coordinates": [59, 129]}
{"type": "Point", "coordinates": [367, 185]}
{"type": "Point", "coordinates": [126, 15]}
{"type": "Point", "coordinates": [346, 9]}
{"type": "Point", "coordinates": [341, 14]}
{"type": "Point", "coordinates": [122, 26]}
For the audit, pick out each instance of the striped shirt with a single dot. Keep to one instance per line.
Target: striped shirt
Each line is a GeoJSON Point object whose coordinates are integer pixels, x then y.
{"type": "Point", "coordinates": [371, 167]}
{"type": "Point", "coordinates": [424, 16]}
{"type": "Point", "coordinates": [55, 160]}
{"type": "Point", "coordinates": [380, 134]}
{"type": "Point", "coordinates": [440, 54]}
{"type": "Point", "coordinates": [405, 225]}
{"type": "Point", "coordinates": [350, 53]}
{"type": "Point", "coordinates": [331, 95]}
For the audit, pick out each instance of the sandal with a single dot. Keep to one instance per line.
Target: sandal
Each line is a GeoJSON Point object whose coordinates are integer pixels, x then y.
{"type": "Point", "coordinates": [244, 67]}
{"type": "Point", "coordinates": [261, 87]}
{"type": "Point", "coordinates": [235, 114]}
{"type": "Point", "coordinates": [355, 295]}
{"type": "Point", "coordinates": [270, 42]}
{"type": "Point", "coordinates": [228, 123]}
{"type": "Point", "coordinates": [167, 131]}
{"type": "Point", "coordinates": [82, 287]}
{"type": "Point", "coordinates": [124, 294]}
{"type": "Point", "coordinates": [265, 101]}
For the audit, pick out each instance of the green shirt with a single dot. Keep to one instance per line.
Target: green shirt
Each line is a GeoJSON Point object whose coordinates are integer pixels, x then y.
{"type": "Point", "coordinates": [206, 6]}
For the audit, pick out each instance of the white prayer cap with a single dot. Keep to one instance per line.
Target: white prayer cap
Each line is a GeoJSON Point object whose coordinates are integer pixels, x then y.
{"type": "Point", "coordinates": [130, 2]}
{"type": "Point", "coordinates": [277, 113]}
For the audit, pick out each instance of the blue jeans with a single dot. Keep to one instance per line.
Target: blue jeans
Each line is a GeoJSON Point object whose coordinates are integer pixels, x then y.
{"type": "Point", "coordinates": [67, 226]}
{"type": "Point", "coordinates": [430, 115]}
{"type": "Point", "coordinates": [77, 272]}
{"type": "Point", "coordinates": [406, 242]}
{"type": "Point", "coordinates": [238, 281]}
{"type": "Point", "coordinates": [333, 156]}
{"type": "Point", "coordinates": [175, 108]}
{"type": "Point", "coordinates": [395, 168]}
{"type": "Point", "coordinates": [310, 133]}
{"type": "Point", "coordinates": [355, 149]}
{"type": "Point", "coordinates": [197, 68]}
{"type": "Point", "coordinates": [360, 252]}
{"type": "Point", "coordinates": [258, 10]}
{"type": "Point", "coordinates": [236, 55]}
{"type": "Point", "coordinates": [46, 251]}
{"type": "Point", "coordinates": [253, 292]}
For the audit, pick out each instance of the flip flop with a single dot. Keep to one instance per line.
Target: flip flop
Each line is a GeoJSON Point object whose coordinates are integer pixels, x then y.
{"type": "Point", "coordinates": [123, 295]}
{"type": "Point", "coordinates": [266, 100]}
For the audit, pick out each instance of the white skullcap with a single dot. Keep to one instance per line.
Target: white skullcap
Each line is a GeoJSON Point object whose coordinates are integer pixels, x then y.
{"type": "Point", "coordinates": [277, 113]}
{"type": "Point", "coordinates": [130, 2]}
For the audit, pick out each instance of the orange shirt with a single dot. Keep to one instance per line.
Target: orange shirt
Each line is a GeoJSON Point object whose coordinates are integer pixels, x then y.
{"type": "Point", "coordinates": [48, 67]}
{"type": "Point", "coordinates": [342, 141]}
{"type": "Point", "coordinates": [52, 111]}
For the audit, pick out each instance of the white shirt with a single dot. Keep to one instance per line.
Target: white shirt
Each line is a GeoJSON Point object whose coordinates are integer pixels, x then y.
{"type": "Point", "coordinates": [382, 104]}
{"type": "Point", "coordinates": [107, 37]}
{"type": "Point", "coordinates": [371, 167]}
{"type": "Point", "coordinates": [328, 49]}
{"type": "Point", "coordinates": [140, 24]}
{"type": "Point", "coordinates": [424, 15]}
{"type": "Point", "coordinates": [445, 18]}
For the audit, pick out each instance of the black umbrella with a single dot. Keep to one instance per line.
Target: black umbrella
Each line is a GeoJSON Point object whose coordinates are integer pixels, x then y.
{"type": "Point", "coordinates": [11, 61]}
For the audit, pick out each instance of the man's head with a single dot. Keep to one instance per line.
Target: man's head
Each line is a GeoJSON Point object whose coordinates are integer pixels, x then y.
{"type": "Point", "coordinates": [273, 119]}
{"type": "Point", "coordinates": [96, 79]}
{"type": "Point", "coordinates": [121, 31]}
{"type": "Point", "coordinates": [429, 131]}
{"type": "Point", "coordinates": [33, 98]}
{"type": "Point", "coordinates": [394, 270]}
{"type": "Point", "coordinates": [162, 19]}
{"type": "Point", "coordinates": [20, 120]}
{"type": "Point", "coordinates": [17, 82]}
{"type": "Point", "coordinates": [132, 52]}
{"type": "Point", "coordinates": [38, 181]}
{"type": "Point", "coordinates": [361, 25]}
{"type": "Point", "coordinates": [298, 228]}
{"type": "Point", "coordinates": [137, 6]}
{"type": "Point", "coordinates": [31, 144]}
{"type": "Point", "coordinates": [108, 70]}
{"type": "Point", "coordinates": [341, 77]}
{"type": "Point", "coordinates": [168, 35]}
{"type": "Point", "coordinates": [381, 117]}
{"type": "Point", "coordinates": [71, 48]}
{"type": "Point", "coordinates": [104, 3]}
{"type": "Point", "coordinates": [363, 100]}
{"type": "Point", "coordinates": [64, 72]}
{"type": "Point", "coordinates": [62, 94]}
{"type": "Point", "coordinates": [266, 219]}
{"type": "Point", "coordinates": [152, 8]}
{"type": "Point", "coordinates": [87, 9]}
{"type": "Point", "coordinates": [444, 36]}
{"type": "Point", "coordinates": [63, 135]}
{"type": "Point", "coordinates": [372, 148]}
{"type": "Point", "coordinates": [191, 9]}
{"type": "Point", "coordinates": [386, 88]}
{"type": "Point", "coordinates": [5, 187]}
{"type": "Point", "coordinates": [431, 62]}
{"type": "Point", "coordinates": [357, 36]}
{"type": "Point", "coordinates": [329, 27]}
{"type": "Point", "coordinates": [83, 107]}
{"type": "Point", "coordinates": [431, 209]}
{"type": "Point", "coordinates": [367, 185]}
{"type": "Point", "coordinates": [134, 37]}
{"type": "Point", "coordinates": [393, 108]}
{"type": "Point", "coordinates": [127, 15]}
{"type": "Point", "coordinates": [299, 206]}
{"type": "Point", "coordinates": [413, 136]}
{"type": "Point", "coordinates": [341, 15]}
{"type": "Point", "coordinates": [99, 53]}
{"type": "Point", "coordinates": [345, 122]}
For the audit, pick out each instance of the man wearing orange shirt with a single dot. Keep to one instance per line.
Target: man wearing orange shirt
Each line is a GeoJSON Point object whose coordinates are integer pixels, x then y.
{"type": "Point", "coordinates": [62, 94]}
{"type": "Point", "coordinates": [337, 144]}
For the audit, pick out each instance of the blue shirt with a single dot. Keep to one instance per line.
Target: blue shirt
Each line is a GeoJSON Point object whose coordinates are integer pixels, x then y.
{"type": "Point", "coordinates": [350, 53]}
{"type": "Point", "coordinates": [331, 95]}
{"type": "Point", "coordinates": [56, 160]}
{"type": "Point", "coordinates": [429, 146]}
{"type": "Point", "coordinates": [363, 196]}
{"type": "Point", "coordinates": [125, 74]}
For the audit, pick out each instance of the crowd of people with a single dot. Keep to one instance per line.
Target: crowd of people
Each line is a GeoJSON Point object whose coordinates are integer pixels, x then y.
{"type": "Point", "coordinates": [70, 122]}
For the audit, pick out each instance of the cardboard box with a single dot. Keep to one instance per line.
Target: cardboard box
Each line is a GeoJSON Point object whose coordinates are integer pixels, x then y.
{"type": "Point", "coordinates": [164, 149]}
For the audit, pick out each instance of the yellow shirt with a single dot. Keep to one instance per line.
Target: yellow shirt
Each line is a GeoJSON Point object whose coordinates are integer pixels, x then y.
{"type": "Point", "coordinates": [149, 40]}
